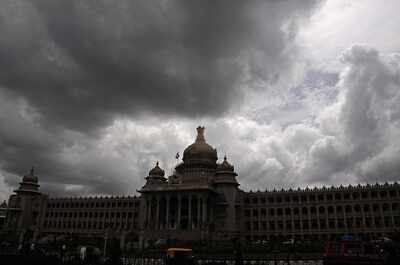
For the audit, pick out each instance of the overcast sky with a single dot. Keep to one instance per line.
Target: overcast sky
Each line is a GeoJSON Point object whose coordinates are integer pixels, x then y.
{"type": "Point", "coordinates": [295, 93]}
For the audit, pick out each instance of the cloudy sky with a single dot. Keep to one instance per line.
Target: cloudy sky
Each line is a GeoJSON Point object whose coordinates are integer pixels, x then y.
{"type": "Point", "coordinates": [295, 93]}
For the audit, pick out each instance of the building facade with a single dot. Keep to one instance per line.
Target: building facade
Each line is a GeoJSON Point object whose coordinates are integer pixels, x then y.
{"type": "Point", "coordinates": [202, 201]}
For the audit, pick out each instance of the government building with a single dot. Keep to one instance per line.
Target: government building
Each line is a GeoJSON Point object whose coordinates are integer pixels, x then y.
{"type": "Point", "coordinates": [202, 201]}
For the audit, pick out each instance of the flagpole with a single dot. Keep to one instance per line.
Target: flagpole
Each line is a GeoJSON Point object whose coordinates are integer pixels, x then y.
{"type": "Point", "coordinates": [173, 166]}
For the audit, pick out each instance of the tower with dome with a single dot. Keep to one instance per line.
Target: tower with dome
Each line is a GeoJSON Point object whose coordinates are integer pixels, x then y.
{"type": "Point", "coordinates": [197, 202]}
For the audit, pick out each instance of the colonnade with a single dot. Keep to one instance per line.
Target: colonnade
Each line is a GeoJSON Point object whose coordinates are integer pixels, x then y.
{"type": "Point", "coordinates": [181, 211]}
{"type": "Point", "coordinates": [331, 219]}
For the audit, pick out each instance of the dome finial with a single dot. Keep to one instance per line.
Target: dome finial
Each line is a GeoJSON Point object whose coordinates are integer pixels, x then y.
{"type": "Point", "coordinates": [157, 163]}
{"type": "Point", "coordinates": [32, 170]}
{"type": "Point", "coordinates": [225, 158]}
{"type": "Point", "coordinates": [200, 135]}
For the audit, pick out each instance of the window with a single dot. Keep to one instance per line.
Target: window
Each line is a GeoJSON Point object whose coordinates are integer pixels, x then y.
{"type": "Point", "coordinates": [271, 212]}
{"type": "Point", "coordinates": [263, 212]}
{"type": "Point", "coordinates": [288, 211]}
{"type": "Point", "coordinates": [272, 226]}
{"type": "Point", "coordinates": [385, 207]}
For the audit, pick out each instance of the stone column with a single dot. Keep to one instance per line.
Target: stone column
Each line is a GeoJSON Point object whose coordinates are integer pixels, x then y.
{"type": "Point", "coordinates": [381, 216]}
{"type": "Point", "coordinates": [204, 213]}
{"type": "Point", "coordinates": [158, 213]}
{"type": "Point", "coordinates": [363, 223]}
{"type": "Point", "coordinates": [294, 231]}
{"type": "Point", "coordinates": [190, 212]}
{"type": "Point", "coordinates": [198, 212]}
{"type": "Point", "coordinates": [149, 204]}
{"type": "Point", "coordinates": [372, 215]}
{"type": "Point", "coordinates": [178, 225]}
{"type": "Point", "coordinates": [336, 218]}
{"type": "Point", "coordinates": [309, 219]}
{"type": "Point", "coordinates": [167, 213]}
{"type": "Point", "coordinates": [391, 213]}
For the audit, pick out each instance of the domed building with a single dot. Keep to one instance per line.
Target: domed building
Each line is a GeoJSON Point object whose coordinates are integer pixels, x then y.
{"type": "Point", "coordinates": [202, 201]}
{"type": "Point", "coordinates": [199, 200]}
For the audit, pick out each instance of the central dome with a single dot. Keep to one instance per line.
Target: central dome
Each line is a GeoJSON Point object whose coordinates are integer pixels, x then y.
{"type": "Point", "coordinates": [200, 150]}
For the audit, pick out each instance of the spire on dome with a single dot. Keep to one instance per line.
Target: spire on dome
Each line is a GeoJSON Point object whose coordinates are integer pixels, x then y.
{"type": "Point", "coordinates": [200, 151]}
{"type": "Point", "coordinates": [200, 135]}
{"type": "Point", "coordinates": [157, 171]}
{"type": "Point", "coordinates": [225, 165]}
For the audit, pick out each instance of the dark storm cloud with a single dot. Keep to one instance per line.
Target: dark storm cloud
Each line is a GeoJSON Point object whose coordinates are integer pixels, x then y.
{"type": "Point", "coordinates": [80, 63]}
{"type": "Point", "coordinates": [70, 68]}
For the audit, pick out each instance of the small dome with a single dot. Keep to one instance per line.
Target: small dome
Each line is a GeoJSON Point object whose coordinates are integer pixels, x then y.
{"type": "Point", "coordinates": [200, 150]}
{"type": "Point", "coordinates": [225, 166]}
{"type": "Point", "coordinates": [157, 171]}
{"type": "Point", "coordinates": [30, 177]}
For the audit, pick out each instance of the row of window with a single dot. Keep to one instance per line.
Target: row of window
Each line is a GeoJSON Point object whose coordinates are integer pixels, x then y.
{"type": "Point", "coordinates": [338, 196]}
{"type": "Point", "coordinates": [92, 214]}
{"type": "Point", "coordinates": [376, 222]}
{"type": "Point", "coordinates": [88, 225]}
{"type": "Point", "coordinates": [98, 204]}
{"type": "Point", "coordinates": [386, 207]}
{"type": "Point", "coordinates": [331, 236]}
